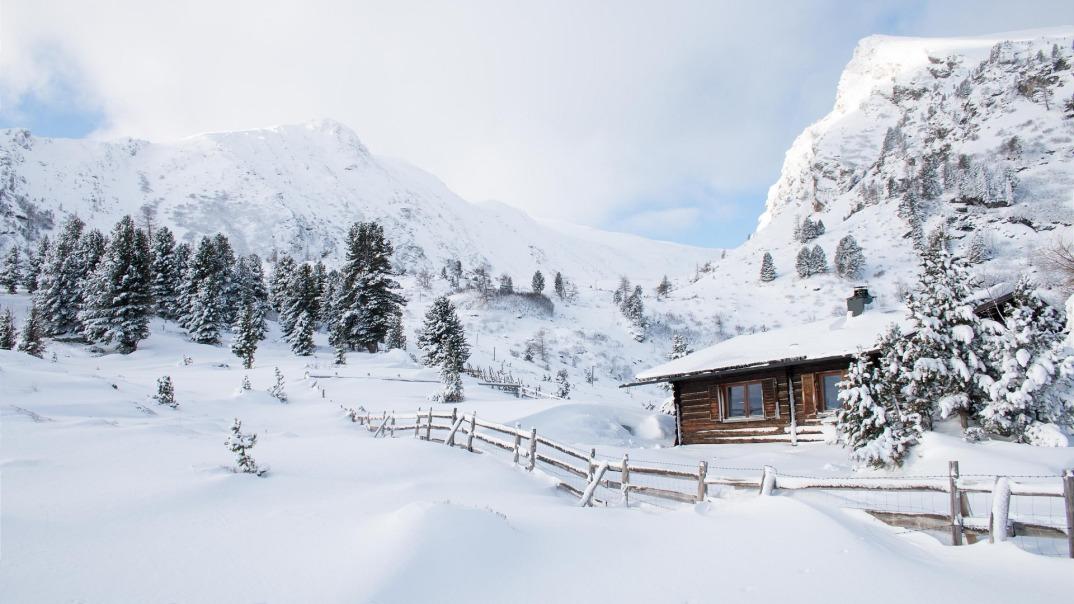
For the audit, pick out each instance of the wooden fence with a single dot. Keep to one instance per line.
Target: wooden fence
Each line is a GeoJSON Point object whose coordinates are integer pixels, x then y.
{"type": "Point", "coordinates": [691, 484]}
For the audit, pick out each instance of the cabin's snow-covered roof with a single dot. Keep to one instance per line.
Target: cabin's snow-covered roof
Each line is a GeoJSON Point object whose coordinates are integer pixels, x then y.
{"type": "Point", "coordinates": [817, 340]}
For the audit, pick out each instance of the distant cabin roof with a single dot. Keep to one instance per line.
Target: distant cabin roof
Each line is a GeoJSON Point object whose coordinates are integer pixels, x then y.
{"type": "Point", "coordinates": [824, 339]}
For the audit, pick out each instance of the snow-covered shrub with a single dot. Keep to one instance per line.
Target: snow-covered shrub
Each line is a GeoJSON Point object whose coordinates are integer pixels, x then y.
{"type": "Point", "coordinates": [1040, 434]}
{"type": "Point", "coordinates": [165, 392]}
{"type": "Point", "coordinates": [245, 386]}
{"type": "Point", "coordinates": [240, 444]}
{"type": "Point", "coordinates": [768, 268]}
{"type": "Point", "coordinates": [563, 387]}
{"type": "Point", "coordinates": [277, 390]}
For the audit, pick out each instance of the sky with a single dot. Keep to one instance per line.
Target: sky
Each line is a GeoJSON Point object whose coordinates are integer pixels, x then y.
{"type": "Point", "coordinates": [665, 119]}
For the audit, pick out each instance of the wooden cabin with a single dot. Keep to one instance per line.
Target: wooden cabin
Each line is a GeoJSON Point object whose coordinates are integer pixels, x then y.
{"type": "Point", "coordinates": [774, 386]}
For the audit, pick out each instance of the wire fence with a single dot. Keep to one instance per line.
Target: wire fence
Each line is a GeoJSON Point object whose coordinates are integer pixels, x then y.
{"type": "Point", "coordinates": [1036, 512]}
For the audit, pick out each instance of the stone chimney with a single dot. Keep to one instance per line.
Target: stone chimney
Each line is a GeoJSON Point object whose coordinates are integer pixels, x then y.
{"type": "Point", "coordinates": [856, 303]}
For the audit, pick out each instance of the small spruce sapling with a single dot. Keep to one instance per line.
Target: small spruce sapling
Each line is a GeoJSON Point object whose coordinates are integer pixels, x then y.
{"type": "Point", "coordinates": [559, 285]}
{"type": "Point", "coordinates": [246, 387]}
{"type": "Point", "coordinates": [537, 283]}
{"type": "Point", "coordinates": [165, 392]}
{"type": "Point", "coordinates": [563, 387]}
{"type": "Point", "coordinates": [277, 390]}
{"type": "Point", "coordinates": [31, 339]}
{"type": "Point", "coordinates": [11, 275]}
{"type": "Point", "coordinates": [8, 335]}
{"type": "Point", "coordinates": [768, 268]}
{"type": "Point", "coordinates": [240, 444]}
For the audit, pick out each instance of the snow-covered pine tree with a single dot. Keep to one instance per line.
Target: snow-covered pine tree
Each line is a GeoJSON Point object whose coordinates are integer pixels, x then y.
{"type": "Point", "coordinates": [302, 335]}
{"type": "Point", "coordinates": [240, 444]}
{"type": "Point", "coordinates": [368, 297]}
{"type": "Point", "coordinates": [563, 385]}
{"type": "Point", "coordinates": [559, 286]}
{"type": "Point", "coordinates": [166, 276]}
{"type": "Point", "coordinates": [204, 319]}
{"type": "Point", "coordinates": [280, 282]}
{"type": "Point", "coordinates": [849, 259]}
{"type": "Point", "coordinates": [199, 270]}
{"type": "Point", "coordinates": [946, 354]}
{"type": "Point", "coordinates": [818, 261]}
{"type": "Point", "coordinates": [11, 273]}
{"type": "Point", "coordinates": [396, 334]}
{"type": "Point", "coordinates": [247, 335]}
{"type": "Point", "coordinates": [166, 392]}
{"type": "Point", "coordinates": [634, 311]}
{"type": "Point", "coordinates": [91, 249]}
{"type": "Point", "coordinates": [300, 298]}
{"type": "Point", "coordinates": [928, 178]}
{"type": "Point", "coordinates": [910, 211]}
{"type": "Point", "coordinates": [807, 230]}
{"type": "Point", "coordinates": [768, 268]}
{"type": "Point", "coordinates": [507, 284]}
{"type": "Point", "coordinates": [820, 228]}
{"type": "Point", "coordinates": [442, 339]}
{"type": "Point", "coordinates": [31, 339]}
{"type": "Point", "coordinates": [663, 288]}
{"type": "Point", "coordinates": [8, 333]}
{"type": "Point", "coordinates": [804, 262]}
{"type": "Point", "coordinates": [277, 389]}
{"type": "Point", "coordinates": [118, 301]}
{"type": "Point", "coordinates": [250, 279]}
{"type": "Point", "coordinates": [245, 386]}
{"type": "Point", "coordinates": [537, 283]}
{"type": "Point", "coordinates": [60, 283]}
{"type": "Point", "coordinates": [873, 420]}
{"type": "Point", "coordinates": [679, 347]}
{"type": "Point", "coordinates": [328, 301]}
{"type": "Point", "coordinates": [224, 268]}
{"type": "Point", "coordinates": [35, 263]}
{"type": "Point", "coordinates": [1026, 357]}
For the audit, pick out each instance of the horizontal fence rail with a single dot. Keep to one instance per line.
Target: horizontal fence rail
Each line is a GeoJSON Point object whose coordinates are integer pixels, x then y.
{"type": "Point", "coordinates": [1037, 512]}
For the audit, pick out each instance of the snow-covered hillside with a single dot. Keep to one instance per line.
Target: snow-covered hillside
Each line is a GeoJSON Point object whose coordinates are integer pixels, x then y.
{"type": "Point", "coordinates": [974, 129]}
{"type": "Point", "coordinates": [296, 190]}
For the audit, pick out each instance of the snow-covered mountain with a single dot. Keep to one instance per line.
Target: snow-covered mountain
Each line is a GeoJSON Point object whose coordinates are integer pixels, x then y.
{"type": "Point", "coordinates": [976, 130]}
{"type": "Point", "coordinates": [296, 189]}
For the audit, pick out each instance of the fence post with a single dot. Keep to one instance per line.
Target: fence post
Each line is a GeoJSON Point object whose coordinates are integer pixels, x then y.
{"type": "Point", "coordinates": [590, 466]}
{"type": "Point", "coordinates": [429, 426]}
{"type": "Point", "coordinates": [470, 436]}
{"type": "Point", "coordinates": [591, 485]}
{"type": "Point", "coordinates": [454, 414]}
{"type": "Point", "coordinates": [533, 449]}
{"type": "Point", "coordinates": [624, 482]}
{"type": "Point", "coordinates": [518, 441]}
{"type": "Point", "coordinates": [702, 488]}
{"type": "Point", "coordinates": [1068, 498]}
{"type": "Point", "coordinates": [998, 522]}
{"type": "Point", "coordinates": [956, 507]}
{"type": "Point", "coordinates": [768, 480]}
{"type": "Point", "coordinates": [393, 424]}
{"type": "Point", "coordinates": [417, 423]}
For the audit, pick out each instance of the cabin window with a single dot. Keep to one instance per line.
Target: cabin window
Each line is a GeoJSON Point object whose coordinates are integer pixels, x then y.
{"type": "Point", "coordinates": [744, 400]}
{"type": "Point", "coordinates": [829, 390]}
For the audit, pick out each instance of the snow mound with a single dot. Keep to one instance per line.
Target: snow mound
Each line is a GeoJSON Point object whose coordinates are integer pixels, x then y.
{"type": "Point", "coordinates": [602, 425]}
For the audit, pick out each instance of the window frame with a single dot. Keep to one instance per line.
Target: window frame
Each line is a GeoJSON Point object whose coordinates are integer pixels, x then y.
{"type": "Point", "coordinates": [725, 406]}
{"type": "Point", "coordinates": [823, 395]}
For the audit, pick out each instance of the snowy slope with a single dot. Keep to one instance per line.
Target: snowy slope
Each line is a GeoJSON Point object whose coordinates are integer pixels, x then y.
{"type": "Point", "coordinates": [296, 189]}
{"type": "Point", "coordinates": [957, 99]}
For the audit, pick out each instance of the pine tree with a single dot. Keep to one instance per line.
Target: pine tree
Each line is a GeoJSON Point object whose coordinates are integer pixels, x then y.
{"type": "Point", "coordinates": [849, 259]}
{"type": "Point", "coordinates": [302, 335]}
{"type": "Point", "coordinates": [442, 339]}
{"type": "Point", "coordinates": [328, 301]}
{"type": "Point", "coordinates": [245, 386]}
{"type": "Point", "coordinates": [35, 263]}
{"type": "Point", "coordinates": [634, 311]}
{"type": "Point", "coordinates": [563, 386]}
{"type": "Point", "coordinates": [280, 283]}
{"type": "Point", "coordinates": [820, 228]}
{"type": "Point", "coordinates": [166, 275]}
{"type": "Point", "coordinates": [507, 284]}
{"type": "Point", "coordinates": [873, 420]}
{"type": "Point", "coordinates": [768, 268]}
{"type": "Point", "coordinates": [224, 270]}
{"type": "Point", "coordinates": [804, 262]}
{"type": "Point", "coordinates": [818, 261]}
{"type": "Point", "coordinates": [978, 250]}
{"type": "Point", "coordinates": [663, 288]}
{"type": "Point", "coordinates": [929, 179]}
{"type": "Point", "coordinates": [1027, 356]}
{"type": "Point", "coordinates": [368, 297]}
{"type": "Point", "coordinates": [30, 340]}
{"type": "Point", "coordinates": [11, 275]}
{"type": "Point", "coordinates": [91, 250]}
{"type": "Point", "coordinates": [204, 320]}
{"type": "Point", "coordinates": [450, 380]}
{"type": "Point", "coordinates": [119, 300]}
{"type": "Point", "coordinates": [910, 211]}
{"type": "Point", "coordinates": [253, 292]}
{"type": "Point", "coordinates": [946, 353]}
{"type": "Point", "coordinates": [679, 348]}
{"type": "Point", "coordinates": [396, 334]}
{"type": "Point", "coordinates": [240, 444]}
{"type": "Point", "coordinates": [8, 334]}
{"type": "Point", "coordinates": [166, 392]}
{"type": "Point", "coordinates": [301, 298]}
{"type": "Point", "coordinates": [60, 283]}
{"type": "Point", "coordinates": [277, 390]}
{"type": "Point", "coordinates": [559, 286]}
{"type": "Point", "coordinates": [247, 336]}
{"type": "Point", "coordinates": [537, 283]}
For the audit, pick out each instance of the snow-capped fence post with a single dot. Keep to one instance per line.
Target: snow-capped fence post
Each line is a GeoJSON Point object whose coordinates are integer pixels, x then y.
{"type": "Point", "coordinates": [591, 486]}
{"type": "Point", "coordinates": [454, 414]}
{"type": "Point", "coordinates": [392, 432]}
{"type": "Point", "coordinates": [768, 480]}
{"type": "Point", "coordinates": [702, 488]}
{"type": "Point", "coordinates": [624, 481]}
{"type": "Point", "coordinates": [470, 436]}
{"type": "Point", "coordinates": [999, 521]}
{"type": "Point", "coordinates": [1068, 499]}
{"type": "Point", "coordinates": [956, 504]}
{"type": "Point", "coordinates": [417, 423]}
{"type": "Point", "coordinates": [592, 464]}
{"type": "Point", "coordinates": [429, 425]}
{"type": "Point", "coordinates": [518, 441]}
{"type": "Point", "coordinates": [533, 449]}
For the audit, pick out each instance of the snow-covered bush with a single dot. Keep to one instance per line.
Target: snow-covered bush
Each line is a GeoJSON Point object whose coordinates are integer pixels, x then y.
{"type": "Point", "coordinates": [165, 392]}
{"type": "Point", "coordinates": [240, 444]}
{"type": "Point", "coordinates": [768, 268]}
{"type": "Point", "coordinates": [277, 390]}
{"type": "Point", "coordinates": [563, 386]}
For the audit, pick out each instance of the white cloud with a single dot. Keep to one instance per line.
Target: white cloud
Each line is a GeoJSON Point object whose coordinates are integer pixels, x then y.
{"type": "Point", "coordinates": [567, 109]}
